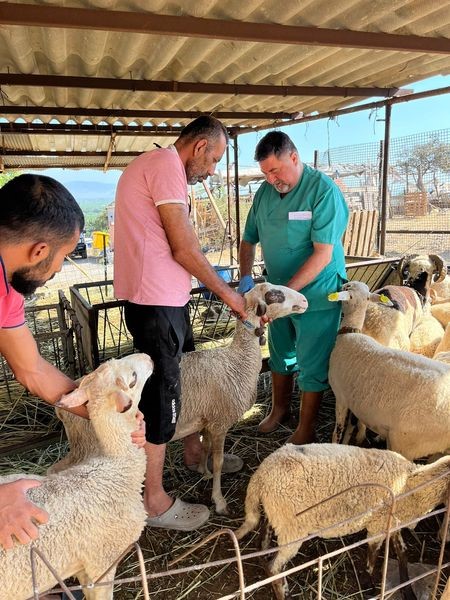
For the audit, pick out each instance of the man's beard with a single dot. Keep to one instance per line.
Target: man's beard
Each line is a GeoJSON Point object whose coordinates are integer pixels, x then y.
{"type": "Point", "coordinates": [24, 280]}
{"type": "Point", "coordinates": [23, 284]}
{"type": "Point", "coordinates": [193, 172]}
{"type": "Point", "coordinates": [282, 188]}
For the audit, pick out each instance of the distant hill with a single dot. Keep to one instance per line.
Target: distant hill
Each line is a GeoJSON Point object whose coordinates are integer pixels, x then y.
{"type": "Point", "coordinates": [92, 191]}
{"type": "Point", "coordinates": [92, 196]}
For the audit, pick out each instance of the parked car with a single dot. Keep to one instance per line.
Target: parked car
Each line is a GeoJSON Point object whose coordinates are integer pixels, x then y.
{"type": "Point", "coordinates": [80, 249]}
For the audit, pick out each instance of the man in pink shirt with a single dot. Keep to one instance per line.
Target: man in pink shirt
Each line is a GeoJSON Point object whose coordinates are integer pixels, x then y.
{"type": "Point", "coordinates": [40, 223]}
{"type": "Point", "coordinates": [156, 253]}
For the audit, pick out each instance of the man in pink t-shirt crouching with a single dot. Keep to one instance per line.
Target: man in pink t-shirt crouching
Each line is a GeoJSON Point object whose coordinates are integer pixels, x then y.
{"type": "Point", "coordinates": [156, 253]}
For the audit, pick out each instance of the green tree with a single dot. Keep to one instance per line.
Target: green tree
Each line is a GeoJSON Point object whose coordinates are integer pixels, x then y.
{"type": "Point", "coordinates": [7, 176]}
{"type": "Point", "coordinates": [426, 161]}
{"type": "Point", "coordinates": [97, 222]}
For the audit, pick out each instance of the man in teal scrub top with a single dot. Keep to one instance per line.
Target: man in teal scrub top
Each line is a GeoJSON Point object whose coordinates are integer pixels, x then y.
{"type": "Point", "coordinates": [298, 216]}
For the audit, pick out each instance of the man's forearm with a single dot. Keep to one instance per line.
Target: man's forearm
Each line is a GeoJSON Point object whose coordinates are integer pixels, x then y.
{"type": "Point", "coordinates": [246, 258]}
{"type": "Point", "coordinates": [309, 270]}
{"type": "Point", "coordinates": [49, 383]}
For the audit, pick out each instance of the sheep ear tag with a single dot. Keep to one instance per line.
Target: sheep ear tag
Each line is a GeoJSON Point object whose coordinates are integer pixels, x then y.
{"type": "Point", "coordinates": [76, 398]}
{"type": "Point", "coordinates": [381, 298]}
{"type": "Point", "coordinates": [336, 296]}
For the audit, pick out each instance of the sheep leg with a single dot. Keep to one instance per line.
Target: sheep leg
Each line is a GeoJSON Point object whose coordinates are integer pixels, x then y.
{"type": "Point", "coordinates": [399, 547]}
{"type": "Point", "coordinates": [205, 452]}
{"type": "Point", "coordinates": [284, 554]}
{"type": "Point", "coordinates": [341, 417]}
{"type": "Point", "coordinates": [252, 514]}
{"type": "Point", "coordinates": [361, 435]}
{"type": "Point", "coordinates": [217, 442]}
{"type": "Point", "coordinates": [102, 592]}
{"type": "Point", "coordinates": [366, 577]}
{"type": "Point", "coordinates": [266, 534]}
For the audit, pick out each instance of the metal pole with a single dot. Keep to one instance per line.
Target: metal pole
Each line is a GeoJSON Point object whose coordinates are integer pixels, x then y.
{"type": "Point", "coordinates": [384, 183]}
{"type": "Point", "coordinates": [230, 226]}
{"type": "Point", "coordinates": [316, 158]}
{"type": "Point", "coordinates": [236, 192]}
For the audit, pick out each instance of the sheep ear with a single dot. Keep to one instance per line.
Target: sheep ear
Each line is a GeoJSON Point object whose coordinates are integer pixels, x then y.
{"type": "Point", "coordinates": [441, 267]}
{"type": "Point", "coordinates": [76, 398]}
{"type": "Point", "coordinates": [123, 402]}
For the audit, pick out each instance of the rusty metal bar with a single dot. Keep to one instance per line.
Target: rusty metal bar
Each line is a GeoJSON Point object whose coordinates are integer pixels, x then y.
{"type": "Point", "coordinates": [384, 178]}
{"type": "Point", "coordinates": [189, 87]}
{"type": "Point", "coordinates": [84, 129]}
{"type": "Point", "coordinates": [101, 155]}
{"type": "Point", "coordinates": [72, 111]}
{"type": "Point", "coordinates": [187, 26]}
{"type": "Point", "coordinates": [352, 109]}
{"type": "Point", "coordinates": [236, 192]}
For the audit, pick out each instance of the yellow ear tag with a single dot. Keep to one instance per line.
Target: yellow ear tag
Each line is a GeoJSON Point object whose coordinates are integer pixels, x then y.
{"type": "Point", "coordinates": [384, 299]}
{"type": "Point", "coordinates": [333, 297]}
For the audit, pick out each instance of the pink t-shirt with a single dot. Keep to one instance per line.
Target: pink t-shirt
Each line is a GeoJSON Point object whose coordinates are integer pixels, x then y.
{"type": "Point", "coordinates": [12, 311]}
{"type": "Point", "coordinates": [145, 271]}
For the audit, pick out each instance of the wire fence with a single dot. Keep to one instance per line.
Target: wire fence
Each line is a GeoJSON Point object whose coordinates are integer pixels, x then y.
{"type": "Point", "coordinates": [430, 581]}
{"type": "Point", "coordinates": [418, 200]}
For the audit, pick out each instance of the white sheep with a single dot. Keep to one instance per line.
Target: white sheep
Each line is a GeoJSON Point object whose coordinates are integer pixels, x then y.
{"type": "Point", "coordinates": [443, 350]}
{"type": "Point", "coordinates": [440, 291]}
{"type": "Point", "coordinates": [95, 503]}
{"type": "Point", "coordinates": [392, 325]}
{"type": "Point", "coordinates": [404, 397]}
{"type": "Point", "coordinates": [219, 385]}
{"type": "Point", "coordinates": [293, 483]}
{"type": "Point", "coordinates": [425, 337]}
{"type": "Point", "coordinates": [441, 312]}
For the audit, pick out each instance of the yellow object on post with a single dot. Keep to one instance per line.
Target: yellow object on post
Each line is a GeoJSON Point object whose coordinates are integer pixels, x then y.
{"type": "Point", "coordinates": [100, 240]}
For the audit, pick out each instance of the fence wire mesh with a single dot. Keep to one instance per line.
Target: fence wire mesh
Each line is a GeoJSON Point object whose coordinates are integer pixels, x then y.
{"type": "Point", "coordinates": [418, 199]}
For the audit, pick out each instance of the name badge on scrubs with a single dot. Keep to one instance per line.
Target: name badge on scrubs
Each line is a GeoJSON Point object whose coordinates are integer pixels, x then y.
{"type": "Point", "coordinates": [300, 215]}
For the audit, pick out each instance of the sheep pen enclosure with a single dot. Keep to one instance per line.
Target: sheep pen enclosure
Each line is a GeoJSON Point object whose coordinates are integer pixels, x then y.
{"type": "Point", "coordinates": [341, 575]}
{"type": "Point", "coordinates": [211, 572]}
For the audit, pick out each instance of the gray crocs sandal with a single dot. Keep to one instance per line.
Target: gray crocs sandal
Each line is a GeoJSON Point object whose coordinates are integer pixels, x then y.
{"type": "Point", "coordinates": [181, 516]}
{"type": "Point", "coordinates": [231, 464]}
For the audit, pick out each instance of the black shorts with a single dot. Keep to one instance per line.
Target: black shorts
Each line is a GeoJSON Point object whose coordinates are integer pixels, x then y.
{"type": "Point", "coordinates": [164, 333]}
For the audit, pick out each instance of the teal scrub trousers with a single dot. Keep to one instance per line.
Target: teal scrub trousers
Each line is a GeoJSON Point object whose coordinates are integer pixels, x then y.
{"type": "Point", "coordinates": [302, 344]}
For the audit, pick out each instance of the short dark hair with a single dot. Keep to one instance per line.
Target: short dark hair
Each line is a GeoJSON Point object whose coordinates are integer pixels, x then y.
{"type": "Point", "coordinates": [204, 127]}
{"type": "Point", "coordinates": [274, 142]}
{"type": "Point", "coordinates": [38, 208]}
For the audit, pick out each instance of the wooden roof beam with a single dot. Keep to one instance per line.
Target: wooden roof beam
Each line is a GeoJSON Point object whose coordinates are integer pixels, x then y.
{"type": "Point", "coordinates": [112, 145]}
{"type": "Point", "coordinates": [186, 87]}
{"type": "Point", "coordinates": [145, 22]}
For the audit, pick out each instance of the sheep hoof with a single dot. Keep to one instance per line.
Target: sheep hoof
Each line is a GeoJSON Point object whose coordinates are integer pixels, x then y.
{"type": "Point", "coordinates": [222, 508]}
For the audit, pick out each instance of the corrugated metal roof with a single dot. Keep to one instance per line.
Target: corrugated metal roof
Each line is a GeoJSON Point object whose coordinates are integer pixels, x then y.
{"type": "Point", "coordinates": [125, 55]}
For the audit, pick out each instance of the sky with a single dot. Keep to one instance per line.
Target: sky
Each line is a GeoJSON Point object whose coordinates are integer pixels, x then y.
{"type": "Point", "coordinates": [358, 128]}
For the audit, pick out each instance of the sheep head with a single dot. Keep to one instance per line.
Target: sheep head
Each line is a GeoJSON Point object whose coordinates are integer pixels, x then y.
{"type": "Point", "coordinates": [355, 295]}
{"type": "Point", "coordinates": [274, 301]}
{"type": "Point", "coordinates": [115, 386]}
{"type": "Point", "coordinates": [419, 271]}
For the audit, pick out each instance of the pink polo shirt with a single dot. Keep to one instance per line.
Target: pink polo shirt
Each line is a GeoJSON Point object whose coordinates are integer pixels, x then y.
{"type": "Point", "coordinates": [12, 311]}
{"type": "Point", "coordinates": [145, 271]}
